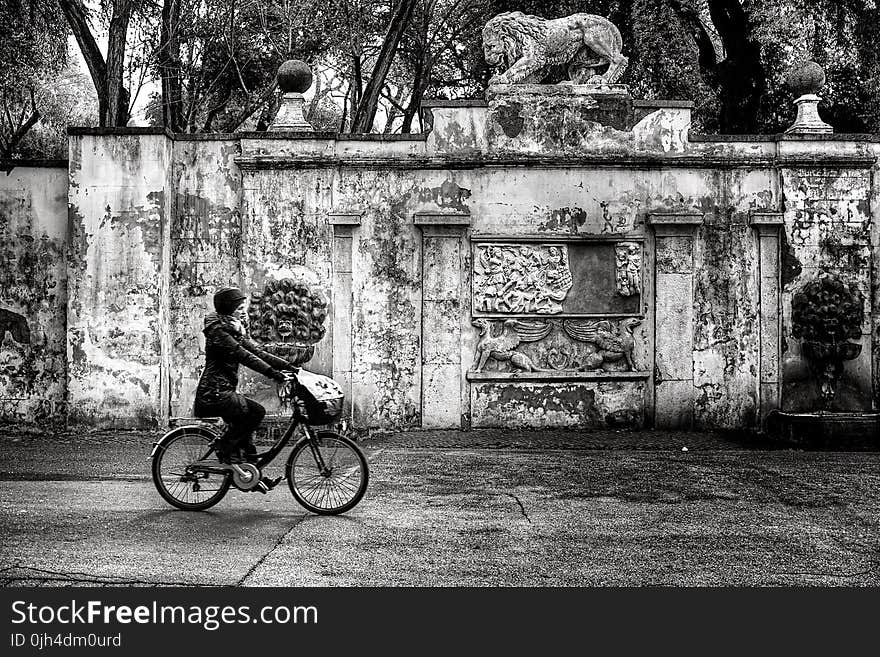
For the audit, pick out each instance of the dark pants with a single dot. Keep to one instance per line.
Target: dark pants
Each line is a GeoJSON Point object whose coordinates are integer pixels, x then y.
{"type": "Point", "coordinates": [242, 416]}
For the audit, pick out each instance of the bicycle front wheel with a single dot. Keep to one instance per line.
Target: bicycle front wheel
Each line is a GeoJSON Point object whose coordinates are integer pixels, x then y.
{"type": "Point", "coordinates": [177, 481]}
{"type": "Point", "coordinates": [327, 475]}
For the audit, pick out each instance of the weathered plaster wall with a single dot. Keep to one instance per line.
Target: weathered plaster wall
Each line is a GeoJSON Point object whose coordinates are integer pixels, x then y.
{"type": "Point", "coordinates": [206, 249]}
{"type": "Point", "coordinates": [33, 294]}
{"type": "Point", "coordinates": [874, 232]}
{"type": "Point", "coordinates": [117, 282]}
{"type": "Point", "coordinates": [390, 227]}
{"type": "Point", "coordinates": [828, 227]}
{"type": "Point", "coordinates": [285, 232]}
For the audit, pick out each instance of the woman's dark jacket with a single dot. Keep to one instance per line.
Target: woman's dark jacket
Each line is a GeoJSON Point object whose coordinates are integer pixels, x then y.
{"type": "Point", "coordinates": [225, 349]}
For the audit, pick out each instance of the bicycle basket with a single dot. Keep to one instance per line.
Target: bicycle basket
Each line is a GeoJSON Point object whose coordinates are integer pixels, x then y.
{"type": "Point", "coordinates": [320, 397]}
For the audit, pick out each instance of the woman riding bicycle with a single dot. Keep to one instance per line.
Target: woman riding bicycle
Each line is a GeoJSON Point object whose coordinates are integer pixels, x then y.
{"type": "Point", "coordinates": [226, 347]}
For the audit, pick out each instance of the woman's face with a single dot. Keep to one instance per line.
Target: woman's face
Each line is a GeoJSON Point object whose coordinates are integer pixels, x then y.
{"type": "Point", "coordinates": [240, 313]}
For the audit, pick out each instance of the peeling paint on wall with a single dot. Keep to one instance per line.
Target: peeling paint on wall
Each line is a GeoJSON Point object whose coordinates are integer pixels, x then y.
{"type": "Point", "coordinates": [33, 296]}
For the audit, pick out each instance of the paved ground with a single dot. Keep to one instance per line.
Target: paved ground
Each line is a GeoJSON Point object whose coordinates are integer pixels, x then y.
{"type": "Point", "coordinates": [447, 508]}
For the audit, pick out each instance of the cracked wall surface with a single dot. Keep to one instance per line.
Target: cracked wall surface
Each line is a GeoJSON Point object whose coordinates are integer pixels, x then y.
{"type": "Point", "coordinates": [388, 226]}
{"type": "Point", "coordinates": [33, 294]}
{"type": "Point", "coordinates": [117, 211]}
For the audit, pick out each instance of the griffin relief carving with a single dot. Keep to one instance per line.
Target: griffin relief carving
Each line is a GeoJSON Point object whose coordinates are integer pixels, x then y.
{"type": "Point", "coordinates": [521, 278]}
{"type": "Point", "coordinates": [613, 341]}
{"type": "Point", "coordinates": [578, 344]}
{"type": "Point", "coordinates": [501, 345]}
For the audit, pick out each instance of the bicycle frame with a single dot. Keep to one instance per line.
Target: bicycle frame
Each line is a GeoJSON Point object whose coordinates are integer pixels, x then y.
{"type": "Point", "coordinates": [264, 458]}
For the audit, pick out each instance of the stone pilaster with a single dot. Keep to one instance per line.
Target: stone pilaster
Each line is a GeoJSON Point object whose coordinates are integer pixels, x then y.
{"type": "Point", "coordinates": [768, 226]}
{"type": "Point", "coordinates": [343, 235]}
{"type": "Point", "coordinates": [445, 395]}
{"type": "Point", "coordinates": [674, 236]}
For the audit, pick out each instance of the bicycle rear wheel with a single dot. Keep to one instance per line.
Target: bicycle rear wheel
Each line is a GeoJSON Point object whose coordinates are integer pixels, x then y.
{"type": "Point", "coordinates": [338, 485]}
{"type": "Point", "coordinates": [176, 480]}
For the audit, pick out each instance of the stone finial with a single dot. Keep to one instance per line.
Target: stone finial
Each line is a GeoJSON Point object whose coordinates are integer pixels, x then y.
{"type": "Point", "coordinates": [806, 81]}
{"type": "Point", "coordinates": [294, 79]}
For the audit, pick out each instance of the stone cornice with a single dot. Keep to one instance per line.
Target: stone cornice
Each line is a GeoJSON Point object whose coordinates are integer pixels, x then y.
{"type": "Point", "coordinates": [614, 161]}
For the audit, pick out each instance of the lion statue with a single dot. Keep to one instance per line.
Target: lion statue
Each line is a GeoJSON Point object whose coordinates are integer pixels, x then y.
{"type": "Point", "coordinates": [523, 49]}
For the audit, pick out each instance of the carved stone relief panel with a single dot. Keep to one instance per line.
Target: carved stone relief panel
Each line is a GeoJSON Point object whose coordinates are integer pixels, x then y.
{"type": "Point", "coordinates": [557, 345]}
{"type": "Point", "coordinates": [568, 278]}
{"type": "Point", "coordinates": [521, 278]}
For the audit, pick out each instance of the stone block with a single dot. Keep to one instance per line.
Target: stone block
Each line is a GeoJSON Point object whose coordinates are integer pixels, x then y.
{"type": "Point", "coordinates": [769, 398]}
{"type": "Point", "coordinates": [674, 405]}
{"type": "Point", "coordinates": [674, 326]}
{"type": "Point", "coordinates": [441, 268]}
{"type": "Point", "coordinates": [557, 404]}
{"type": "Point", "coordinates": [342, 253]}
{"type": "Point", "coordinates": [441, 396]}
{"type": "Point", "coordinates": [441, 339]}
{"type": "Point", "coordinates": [769, 342]}
{"type": "Point", "coordinates": [675, 254]}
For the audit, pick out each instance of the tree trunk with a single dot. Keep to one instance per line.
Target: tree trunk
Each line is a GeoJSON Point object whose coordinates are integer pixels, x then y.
{"type": "Point", "coordinates": [117, 94]}
{"type": "Point", "coordinates": [741, 77]}
{"type": "Point", "coordinates": [169, 66]}
{"type": "Point", "coordinates": [7, 148]}
{"type": "Point", "coordinates": [75, 13]}
{"type": "Point", "coordinates": [420, 84]}
{"type": "Point", "coordinates": [366, 109]}
{"type": "Point", "coordinates": [358, 84]}
{"type": "Point", "coordinates": [106, 74]}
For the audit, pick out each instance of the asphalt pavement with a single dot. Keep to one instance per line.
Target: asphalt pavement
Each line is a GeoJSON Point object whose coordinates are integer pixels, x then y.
{"type": "Point", "coordinates": [453, 508]}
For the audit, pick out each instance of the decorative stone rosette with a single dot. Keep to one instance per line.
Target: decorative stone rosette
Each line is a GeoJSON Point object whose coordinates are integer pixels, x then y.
{"type": "Point", "coordinates": [287, 317]}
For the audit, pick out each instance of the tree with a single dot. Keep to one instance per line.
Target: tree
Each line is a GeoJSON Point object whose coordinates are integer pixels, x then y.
{"type": "Point", "coordinates": [365, 113]}
{"type": "Point", "coordinates": [217, 59]}
{"type": "Point", "coordinates": [107, 74]}
{"type": "Point", "coordinates": [33, 51]}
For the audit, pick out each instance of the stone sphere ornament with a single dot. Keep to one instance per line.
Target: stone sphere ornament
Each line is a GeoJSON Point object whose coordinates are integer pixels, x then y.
{"type": "Point", "coordinates": [808, 78]}
{"type": "Point", "coordinates": [294, 79]}
{"type": "Point", "coordinates": [294, 76]}
{"type": "Point", "coordinates": [805, 81]}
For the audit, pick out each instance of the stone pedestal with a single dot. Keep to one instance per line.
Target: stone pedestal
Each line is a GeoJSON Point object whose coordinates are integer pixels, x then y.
{"type": "Point", "coordinates": [290, 116]}
{"type": "Point", "coordinates": [556, 119]}
{"type": "Point", "coordinates": [808, 121]}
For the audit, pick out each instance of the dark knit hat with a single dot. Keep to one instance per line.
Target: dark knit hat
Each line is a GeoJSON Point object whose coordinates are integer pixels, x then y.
{"type": "Point", "coordinates": [227, 299]}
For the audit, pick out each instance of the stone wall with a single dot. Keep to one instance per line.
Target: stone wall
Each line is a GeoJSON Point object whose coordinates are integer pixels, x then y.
{"type": "Point", "coordinates": [510, 267]}
{"type": "Point", "coordinates": [117, 277]}
{"type": "Point", "coordinates": [33, 292]}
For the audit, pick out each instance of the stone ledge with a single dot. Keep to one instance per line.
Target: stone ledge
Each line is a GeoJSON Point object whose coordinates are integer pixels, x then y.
{"type": "Point", "coordinates": [440, 219]}
{"type": "Point", "coordinates": [344, 218]}
{"type": "Point", "coordinates": [766, 219]}
{"type": "Point", "coordinates": [610, 161]}
{"type": "Point", "coordinates": [682, 218]}
{"type": "Point", "coordinates": [557, 237]}
{"type": "Point", "coordinates": [557, 376]}
{"type": "Point", "coordinates": [781, 136]}
{"type": "Point", "coordinates": [9, 165]}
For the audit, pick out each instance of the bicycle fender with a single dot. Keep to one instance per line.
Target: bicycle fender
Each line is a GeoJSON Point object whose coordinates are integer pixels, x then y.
{"type": "Point", "coordinates": [191, 428]}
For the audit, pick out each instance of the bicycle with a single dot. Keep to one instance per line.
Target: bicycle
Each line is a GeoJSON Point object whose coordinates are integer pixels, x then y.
{"type": "Point", "coordinates": [327, 473]}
